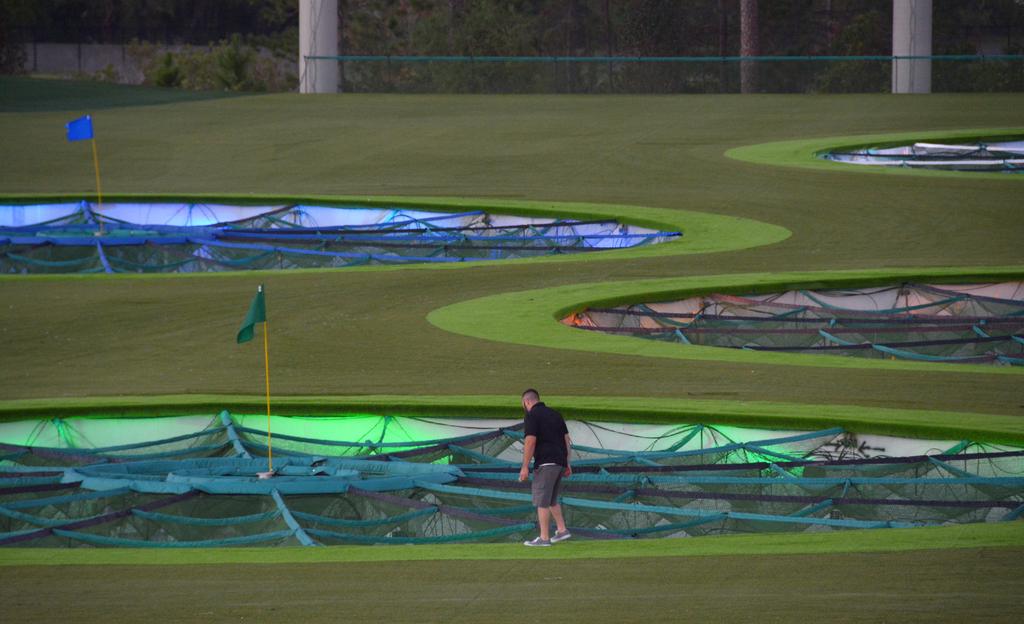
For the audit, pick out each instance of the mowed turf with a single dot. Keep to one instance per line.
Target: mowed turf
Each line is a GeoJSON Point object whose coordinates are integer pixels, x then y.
{"type": "Point", "coordinates": [355, 332]}
{"type": "Point", "coordinates": [361, 332]}
{"type": "Point", "coordinates": [981, 585]}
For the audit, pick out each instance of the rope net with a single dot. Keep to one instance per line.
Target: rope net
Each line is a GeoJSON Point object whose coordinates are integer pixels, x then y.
{"type": "Point", "coordinates": [973, 323]}
{"type": "Point", "coordinates": [366, 479]}
{"type": "Point", "coordinates": [1004, 156]}
{"type": "Point", "coordinates": [183, 238]}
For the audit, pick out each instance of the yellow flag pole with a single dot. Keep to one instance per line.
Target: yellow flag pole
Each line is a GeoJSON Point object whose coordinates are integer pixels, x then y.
{"type": "Point", "coordinates": [266, 363]}
{"type": "Point", "coordinates": [99, 191]}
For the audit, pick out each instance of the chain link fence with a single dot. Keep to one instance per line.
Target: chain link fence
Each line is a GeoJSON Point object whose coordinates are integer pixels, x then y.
{"type": "Point", "coordinates": [664, 75]}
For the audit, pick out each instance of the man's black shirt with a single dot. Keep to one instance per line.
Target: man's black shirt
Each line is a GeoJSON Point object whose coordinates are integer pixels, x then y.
{"type": "Point", "coordinates": [549, 427]}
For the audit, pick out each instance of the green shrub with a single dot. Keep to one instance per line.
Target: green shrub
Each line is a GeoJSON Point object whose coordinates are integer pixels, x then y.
{"type": "Point", "coordinates": [168, 74]}
{"type": "Point", "coordinates": [230, 65]}
{"type": "Point", "coordinates": [233, 63]}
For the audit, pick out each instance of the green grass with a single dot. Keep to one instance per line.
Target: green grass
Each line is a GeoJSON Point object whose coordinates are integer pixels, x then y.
{"type": "Point", "coordinates": [997, 535]}
{"type": "Point", "coordinates": [365, 332]}
{"type": "Point", "coordinates": [957, 585]}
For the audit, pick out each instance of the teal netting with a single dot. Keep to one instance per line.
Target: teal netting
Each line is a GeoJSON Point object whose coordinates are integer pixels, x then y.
{"type": "Point", "coordinates": [999, 156]}
{"type": "Point", "coordinates": [980, 323]}
{"type": "Point", "coordinates": [178, 238]}
{"type": "Point", "coordinates": [394, 480]}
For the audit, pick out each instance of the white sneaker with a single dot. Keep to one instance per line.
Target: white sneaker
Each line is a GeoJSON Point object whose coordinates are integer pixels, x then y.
{"type": "Point", "coordinates": [560, 535]}
{"type": "Point", "coordinates": [537, 541]}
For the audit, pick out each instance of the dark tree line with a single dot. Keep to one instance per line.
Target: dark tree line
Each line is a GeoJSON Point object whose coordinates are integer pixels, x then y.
{"type": "Point", "coordinates": [545, 27]}
{"type": "Point", "coordinates": [537, 27]}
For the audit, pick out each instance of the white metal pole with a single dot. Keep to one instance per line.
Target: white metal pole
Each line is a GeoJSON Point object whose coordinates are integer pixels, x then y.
{"type": "Point", "coordinates": [912, 36]}
{"type": "Point", "coordinates": [318, 36]}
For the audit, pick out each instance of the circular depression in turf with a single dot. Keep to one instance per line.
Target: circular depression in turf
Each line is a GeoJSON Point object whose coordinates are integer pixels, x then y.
{"type": "Point", "coordinates": [966, 323]}
{"type": "Point", "coordinates": [192, 481]}
{"type": "Point", "coordinates": [988, 155]}
{"type": "Point", "coordinates": [948, 146]}
{"type": "Point", "coordinates": [134, 237]}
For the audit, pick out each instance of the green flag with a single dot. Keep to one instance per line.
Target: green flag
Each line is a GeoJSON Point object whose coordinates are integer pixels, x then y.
{"type": "Point", "coordinates": [257, 314]}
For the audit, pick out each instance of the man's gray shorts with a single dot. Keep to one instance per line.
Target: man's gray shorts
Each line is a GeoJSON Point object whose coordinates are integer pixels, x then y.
{"type": "Point", "coordinates": [547, 482]}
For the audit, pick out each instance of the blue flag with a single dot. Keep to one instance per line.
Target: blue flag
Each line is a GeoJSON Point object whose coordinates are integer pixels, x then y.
{"type": "Point", "coordinates": [79, 129]}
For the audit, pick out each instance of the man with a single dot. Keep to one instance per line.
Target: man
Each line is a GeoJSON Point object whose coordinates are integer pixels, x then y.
{"type": "Point", "coordinates": [547, 444]}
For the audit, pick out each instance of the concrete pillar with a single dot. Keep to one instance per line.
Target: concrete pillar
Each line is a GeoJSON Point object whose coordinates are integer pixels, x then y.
{"type": "Point", "coordinates": [912, 36]}
{"type": "Point", "coordinates": [318, 36]}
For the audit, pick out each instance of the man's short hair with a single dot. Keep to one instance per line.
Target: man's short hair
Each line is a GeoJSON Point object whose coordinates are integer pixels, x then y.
{"type": "Point", "coordinates": [531, 394]}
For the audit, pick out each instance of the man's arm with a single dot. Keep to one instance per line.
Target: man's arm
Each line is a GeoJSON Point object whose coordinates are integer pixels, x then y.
{"type": "Point", "coordinates": [529, 446]}
{"type": "Point", "coordinates": [568, 455]}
